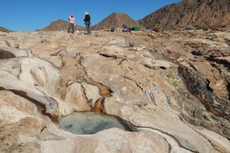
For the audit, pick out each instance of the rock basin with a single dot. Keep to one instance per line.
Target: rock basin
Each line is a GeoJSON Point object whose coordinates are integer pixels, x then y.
{"type": "Point", "coordinates": [91, 123]}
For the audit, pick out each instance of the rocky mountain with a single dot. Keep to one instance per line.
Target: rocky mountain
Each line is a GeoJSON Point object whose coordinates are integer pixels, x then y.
{"type": "Point", "coordinates": [61, 25]}
{"type": "Point", "coordinates": [5, 30]}
{"type": "Point", "coordinates": [140, 92]}
{"type": "Point", "coordinates": [196, 13]}
{"type": "Point", "coordinates": [116, 20]}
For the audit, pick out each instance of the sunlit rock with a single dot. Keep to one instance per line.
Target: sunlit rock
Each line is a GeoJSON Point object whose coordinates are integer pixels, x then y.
{"type": "Point", "coordinates": [171, 86]}
{"type": "Point", "coordinates": [24, 53]}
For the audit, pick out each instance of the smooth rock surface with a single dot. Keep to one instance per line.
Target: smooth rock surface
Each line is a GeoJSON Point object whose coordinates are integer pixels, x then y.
{"type": "Point", "coordinates": [172, 86]}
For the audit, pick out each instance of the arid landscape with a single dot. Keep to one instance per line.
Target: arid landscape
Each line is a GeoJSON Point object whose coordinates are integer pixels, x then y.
{"type": "Point", "coordinates": [162, 91]}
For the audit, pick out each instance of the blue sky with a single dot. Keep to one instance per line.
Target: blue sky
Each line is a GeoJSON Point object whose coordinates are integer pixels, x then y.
{"type": "Point", "coordinates": [30, 15]}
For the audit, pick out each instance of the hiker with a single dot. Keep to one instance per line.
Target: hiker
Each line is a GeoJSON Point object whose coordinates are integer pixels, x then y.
{"type": "Point", "coordinates": [126, 28]}
{"type": "Point", "coordinates": [71, 23]}
{"type": "Point", "coordinates": [87, 22]}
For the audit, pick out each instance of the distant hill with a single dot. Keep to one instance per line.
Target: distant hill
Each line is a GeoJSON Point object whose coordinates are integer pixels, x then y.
{"type": "Point", "coordinates": [115, 20]}
{"type": "Point", "coordinates": [61, 25]}
{"type": "Point", "coordinates": [200, 13]}
{"type": "Point", "coordinates": [5, 30]}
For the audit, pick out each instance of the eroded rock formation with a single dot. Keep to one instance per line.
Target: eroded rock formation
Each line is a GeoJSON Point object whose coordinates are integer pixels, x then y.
{"type": "Point", "coordinates": [172, 86]}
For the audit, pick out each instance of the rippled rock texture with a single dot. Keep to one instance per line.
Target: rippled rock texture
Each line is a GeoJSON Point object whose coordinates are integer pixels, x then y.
{"type": "Point", "coordinates": [172, 87]}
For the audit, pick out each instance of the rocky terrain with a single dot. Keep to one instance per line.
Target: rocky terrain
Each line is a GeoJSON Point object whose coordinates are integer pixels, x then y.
{"type": "Point", "coordinates": [171, 87]}
{"type": "Point", "coordinates": [61, 25]}
{"type": "Point", "coordinates": [116, 20]}
{"type": "Point", "coordinates": [187, 13]}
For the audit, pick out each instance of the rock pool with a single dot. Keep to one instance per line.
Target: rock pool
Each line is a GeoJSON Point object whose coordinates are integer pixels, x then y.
{"type": "Point", "coordinates": [91, 122]}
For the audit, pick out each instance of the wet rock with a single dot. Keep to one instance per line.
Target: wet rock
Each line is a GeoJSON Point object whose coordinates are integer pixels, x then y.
{"type": "Point", "coordinates": [99, 106]}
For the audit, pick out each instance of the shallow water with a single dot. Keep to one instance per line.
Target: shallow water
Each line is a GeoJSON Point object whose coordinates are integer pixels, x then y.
{"type": "Point", "coordinates": [91, 122]}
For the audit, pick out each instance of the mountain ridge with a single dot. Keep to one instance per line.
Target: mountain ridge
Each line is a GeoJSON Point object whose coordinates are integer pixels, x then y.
{"type": "Point", "coordinates": [61, 25]}
{"type": "Point", "coordinates": [4, 29]}
{"type": "Point", "coordinates": [184, 14]}
{"type": "Point", "coordinates": [201, 13]}
{"type": "Point", "coordinates": [116, 20]}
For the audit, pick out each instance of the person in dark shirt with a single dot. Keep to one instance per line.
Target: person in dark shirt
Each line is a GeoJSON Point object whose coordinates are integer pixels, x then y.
{"type": "Point", "coordinates": [87, 22]}
{"type": "Point", "coordinates": [126, 28]}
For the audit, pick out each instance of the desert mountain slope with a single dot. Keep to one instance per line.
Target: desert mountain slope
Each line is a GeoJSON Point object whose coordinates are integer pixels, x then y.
{"type": "Point", "coordinates": [61, 25]}
{"type": "Point", "coordinates": [116, 20]}
{"type": "Point", "coordinates": [200, 13]}
{"type": "Point", "coordinates": [4, 29]}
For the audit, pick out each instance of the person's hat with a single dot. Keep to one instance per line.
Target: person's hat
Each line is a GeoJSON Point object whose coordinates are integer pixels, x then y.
{"type": "Point", "coordinates": [86, 13]}
{"type": "Point", "coordinates": [72, 14]}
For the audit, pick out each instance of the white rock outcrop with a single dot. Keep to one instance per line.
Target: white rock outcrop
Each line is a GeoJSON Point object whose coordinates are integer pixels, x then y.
{"type": "Point", "coordinates": [54, 74]}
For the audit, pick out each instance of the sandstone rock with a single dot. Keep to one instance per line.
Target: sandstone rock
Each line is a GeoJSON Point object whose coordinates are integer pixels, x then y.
{"type": "Point", "coordinates": [56, 60]}
{"type": "Point", "coordinates": [38, 73]}
{"type": "Point", "coordinates": [112, 51]}
{"type": "Point", "coordinates": [124, 100]}
{"type": "Point", "coordinates": [175, 100]}
{"type": "Point", "coordinates": [158, 64]}
{"type": "Point", "coordinates": [11, 65]}
{"type": "Point", "coordinates": [75, 94]}
{"type": "Point", "coordinates": [45, 104]}
{"type": "Point", "coordinates": [23, 128]}
{"type": "Point", "coordinates": [47, 48]}
{"type": "Point", "coordinates": [92, 93]}
{"type": "Point", "coordinates": [3, 33]}
{"type": "Point", "coordinates": [23, 53]}
{"type": "Point", "coordinates": [120, 42]}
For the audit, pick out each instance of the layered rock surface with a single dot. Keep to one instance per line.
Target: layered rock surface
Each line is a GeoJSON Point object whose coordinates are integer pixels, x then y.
{"type": "Point", "coordinates": [172, 86]}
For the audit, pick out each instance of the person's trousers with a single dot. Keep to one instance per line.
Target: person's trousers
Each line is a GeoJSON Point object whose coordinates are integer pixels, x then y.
{"type": "Point", "coordinates": [88, 27]}
{"type": "Point", "coordinates": [71, 25]}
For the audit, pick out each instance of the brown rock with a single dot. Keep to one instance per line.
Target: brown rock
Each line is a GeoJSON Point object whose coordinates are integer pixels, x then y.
{"type": "Point", "coordinates": [98, 107]}
{"type": "Point", "coordinates": [5, 30]}
{"type": "Point", "coordinates": [61, 25]}
{"type": "Point", "coordinates": [188, 14]}
{"type": "Point", "coordinates": [116, 20]}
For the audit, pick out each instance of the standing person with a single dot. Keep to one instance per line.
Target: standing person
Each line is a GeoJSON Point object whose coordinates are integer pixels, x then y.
{"type": "Point", "coordinates": [71, 23]}
{"type": "Point", "coordinates": [87, 22]}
